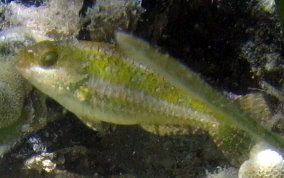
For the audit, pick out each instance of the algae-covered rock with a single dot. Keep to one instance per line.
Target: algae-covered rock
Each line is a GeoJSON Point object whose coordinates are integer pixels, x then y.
{"type": "Point", "coordinates": [22, 109]}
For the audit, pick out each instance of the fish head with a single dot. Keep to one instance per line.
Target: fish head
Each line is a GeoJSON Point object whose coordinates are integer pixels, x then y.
{"type": "Point", "coordinates": [51, 66]}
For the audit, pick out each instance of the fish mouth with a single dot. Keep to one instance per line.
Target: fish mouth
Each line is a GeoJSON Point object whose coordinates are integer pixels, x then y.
{"type": "Point", "coordinates": [24, 72]}
{"type": "Point", "coordinates": [22, 67]}
{"type": "Point", "coordinates": [38, 77]}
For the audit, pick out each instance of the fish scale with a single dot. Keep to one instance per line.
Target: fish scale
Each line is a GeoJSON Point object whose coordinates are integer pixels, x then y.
{"type": "Point", "coordinates": [131, 101]}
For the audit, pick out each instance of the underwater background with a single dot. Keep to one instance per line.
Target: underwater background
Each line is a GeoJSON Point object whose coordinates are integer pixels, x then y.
{"type": "Point", "coordinates": [236, 46]}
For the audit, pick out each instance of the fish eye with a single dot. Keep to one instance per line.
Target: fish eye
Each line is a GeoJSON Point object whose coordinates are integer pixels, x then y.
{"type": "Point", "coordinates": [49, 58]}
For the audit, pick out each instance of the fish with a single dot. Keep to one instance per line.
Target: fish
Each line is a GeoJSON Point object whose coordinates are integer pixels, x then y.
{"type": "Point", "coordinates": [131, 83]}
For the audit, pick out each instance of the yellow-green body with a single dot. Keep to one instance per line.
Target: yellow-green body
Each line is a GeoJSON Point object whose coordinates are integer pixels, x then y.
{"type": "Point", "coordinates": [100, 82]}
